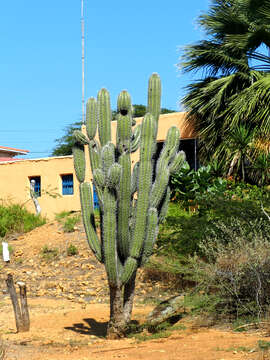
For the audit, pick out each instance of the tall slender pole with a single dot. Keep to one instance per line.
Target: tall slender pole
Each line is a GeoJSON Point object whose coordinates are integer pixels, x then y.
{"type": "Point", "coordinates": [82, 23]}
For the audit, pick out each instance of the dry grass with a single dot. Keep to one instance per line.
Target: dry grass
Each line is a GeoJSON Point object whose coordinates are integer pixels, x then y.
{"type": "Point", "coordinates": [2, 350]}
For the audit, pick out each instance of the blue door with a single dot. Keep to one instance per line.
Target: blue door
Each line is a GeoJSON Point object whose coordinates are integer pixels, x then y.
{"type": "Point", "coordinates": [95, 198]}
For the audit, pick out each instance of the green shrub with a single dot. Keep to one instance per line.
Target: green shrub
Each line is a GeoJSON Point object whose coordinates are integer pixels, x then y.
{"type": "Point", "coordinates": [183, 231]}
{"type": "Point", "coordinates": [236, 268]}
{"type": "Point", "coordinates": [62, 215]}
{"type": "Point", "coordinates": [15, 218]}
{"type": "Point", "coordinates": [49, 253]}
{"type": "Point", "coordinates": [70, 222]}
{"type": "Point", "coordinates": [72, 250]}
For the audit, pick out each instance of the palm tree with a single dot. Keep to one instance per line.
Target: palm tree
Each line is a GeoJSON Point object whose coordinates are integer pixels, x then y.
{"type": "Point", "coordinates": [235, 86]}
{"type": "Point", "coordinates": [239, 146]}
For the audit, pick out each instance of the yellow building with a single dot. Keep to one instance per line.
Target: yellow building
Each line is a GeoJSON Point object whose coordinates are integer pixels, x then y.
{"type": "Point", "coordinates": [55, 180]}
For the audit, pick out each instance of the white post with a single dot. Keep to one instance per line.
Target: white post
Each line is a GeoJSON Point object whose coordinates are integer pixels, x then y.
{"type": "Point", "coordinates": [6, 256]}
{"type": "Point", "coordinates": [33, 197]}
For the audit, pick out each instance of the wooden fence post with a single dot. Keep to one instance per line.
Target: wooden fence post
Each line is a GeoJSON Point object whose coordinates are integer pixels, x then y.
{"type": "Point", "coordinates": [21, 313]}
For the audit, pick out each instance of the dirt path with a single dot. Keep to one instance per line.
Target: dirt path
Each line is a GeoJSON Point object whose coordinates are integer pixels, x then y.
{"type": "Point", "coordinates": [69, 310]}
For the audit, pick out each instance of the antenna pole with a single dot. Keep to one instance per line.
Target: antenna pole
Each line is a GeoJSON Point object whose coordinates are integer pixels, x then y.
{"type": "Point", "coordinates": [82, 24]}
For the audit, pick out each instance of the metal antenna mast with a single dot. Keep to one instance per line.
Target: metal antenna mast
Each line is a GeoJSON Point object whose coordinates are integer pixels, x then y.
{"type": "Point", "coordinates": [82, 24]}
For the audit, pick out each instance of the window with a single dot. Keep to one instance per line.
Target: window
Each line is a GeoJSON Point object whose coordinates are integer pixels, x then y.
{"type": "Point", "coordinates": [37, 186]}
{"type": "Point", "coordinates": [67, 184]}
{"type": "Point", "coordinates": [95, 198]}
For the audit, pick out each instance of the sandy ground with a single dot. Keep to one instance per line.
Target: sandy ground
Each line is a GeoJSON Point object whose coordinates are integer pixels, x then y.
{"type": "Point", "coordinates": [66, 324]}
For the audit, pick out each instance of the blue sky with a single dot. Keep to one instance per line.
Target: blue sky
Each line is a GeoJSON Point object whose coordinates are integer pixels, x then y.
{"type": "Point", "coordinates": [40, 63]}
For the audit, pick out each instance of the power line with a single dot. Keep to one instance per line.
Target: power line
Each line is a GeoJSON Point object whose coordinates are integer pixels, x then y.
{"type": "Point", "coordinates": [30, 130]}
{"type": "Point", "coordinates": [82, 23]}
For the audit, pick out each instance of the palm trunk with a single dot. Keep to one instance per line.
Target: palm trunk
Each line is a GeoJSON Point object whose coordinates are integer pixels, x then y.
{"type": "Point", "coordinates": [243, 170]}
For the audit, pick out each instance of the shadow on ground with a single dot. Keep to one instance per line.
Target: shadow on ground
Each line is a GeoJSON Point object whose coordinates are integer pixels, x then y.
{"type": "Point", "coordinates": [93, 327]}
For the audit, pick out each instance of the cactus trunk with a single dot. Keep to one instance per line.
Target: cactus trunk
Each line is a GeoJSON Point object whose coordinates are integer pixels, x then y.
{"type": "Point", "coordinates": [132, 202]}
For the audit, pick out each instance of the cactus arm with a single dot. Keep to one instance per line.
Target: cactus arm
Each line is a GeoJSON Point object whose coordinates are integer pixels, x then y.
{"type": "Point", "coordinates": [124, 195]}
{"type": "Point", "coordinates": [99, 178]}
{"type": "Point", "coordinates": [134, 178]}
{"type": "Point", "coordinates": [151, 235]}
{"type": "Point", "coordinates": [109, 236]}
{"type": "Point", "coordinates": [135, 142]}
{"type": "Point", "coordinates": [114, 175]}
{"type": "Point", "coordinates": [91, 118]}
{"type": "Point", "coordinates": [89, 220]}
{"type": "Point", "coordinates": [80, 138]}
{"type": "Point", "coordinates": [104, 116]}
{"type": "Point", "coordinates": [124, 105]}
{"type": "Point", "coordinates": [154, 96]}
{"type": "Point", "coordinates": [107, 157]}
{"type": "Point", "coordinates": [164, 206]}
{"type": "Point", "coordinates": [169, 150]}
{"type": "Point", "coordinates": [94, 155]}
{"type": "Point", "coordinates": [129, 268]}
{"type": "Point", "coordinates": [123, 133]}
{"type": "Point", "coordinates": [144, 183]}
{"type": "Point", "coordinates": [79, 161]}
{"type": "Point", "coordinates": [159, 187]}
{"type": "Point", "coordinates": [178, 162]}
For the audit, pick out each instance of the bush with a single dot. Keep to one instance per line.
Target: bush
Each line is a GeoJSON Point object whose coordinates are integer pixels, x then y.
{"type": "Point", "coordinates": [236, 268]}
{"type": "Point", "coordinates": [70, 222]}
{"type": "Point", "coordinates": [49, 253]}
{"type": "Point", "coordinates": [15, 218]}
{"type": "Point", "coordinates": [183, 231]}
{"type": "Point", "coordinates": [72, 250]}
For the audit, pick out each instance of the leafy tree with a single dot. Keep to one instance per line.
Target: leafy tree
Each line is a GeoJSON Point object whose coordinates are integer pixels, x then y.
{"type": "Point", "coordinates": [235, 85]}
{"type": "Point", "coordinates": [140, 110]}
{"type": "Point", "coordinates": [65, 143]}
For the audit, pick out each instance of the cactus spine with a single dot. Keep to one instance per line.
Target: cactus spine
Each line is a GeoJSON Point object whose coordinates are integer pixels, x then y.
{"type": "Point", "coordinates": [131, 204]}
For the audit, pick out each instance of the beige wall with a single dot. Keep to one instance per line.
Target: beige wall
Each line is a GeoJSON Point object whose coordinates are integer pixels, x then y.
{"type": "Point", "coordinates": [14, 178]}
{"type": "Point", "coordinates": [14, 184]}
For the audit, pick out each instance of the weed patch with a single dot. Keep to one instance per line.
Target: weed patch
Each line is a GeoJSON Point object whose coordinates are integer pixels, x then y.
{"type": "Point", "coordinates": [72, 250]}
{"type": "Point", "coordinates": [15, 218]}
{"type": "Point", "coordinates": [49, 254]}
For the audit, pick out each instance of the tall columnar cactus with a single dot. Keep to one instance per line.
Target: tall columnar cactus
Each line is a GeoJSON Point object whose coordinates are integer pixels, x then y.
{"type": "Point", "coordinates": [132, 201]}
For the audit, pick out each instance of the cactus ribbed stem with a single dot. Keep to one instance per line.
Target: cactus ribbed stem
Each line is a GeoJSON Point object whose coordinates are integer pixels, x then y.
{"type": "Point", "coordinates": [129, 268]}
{"type": "Point", "coordinates": [109, 236]}
{"type": "Point", "coordinates": [144, 183]}
{"type": "Point", "coordinates": [124, 196]}
{"type": "Point", "coordinates": [124, 133]}
{"type": "Point", "coordinates": [134, 178]}
{"type": "Point", "coordinates": [104, 117]}
{"type": "Point", "coordinates": [107, 157]}
{"type": "Point", "coordinates": [124, 105]}
{"type": "Point", "coordinates": [132, 202]}
{"type": "Point", "coordinates": [151, 235]}
{"type": "Point", "coordinates": [177, 163]}
{"type": "Point", "coordinates": [135, 142]}
{"type": "Point", "coordinates": [94, 154]}
{"type": "Point", "coordinates": [154, 96]}
{"type": "Point", "coordinates": [164, 206]}
{"type": "Point", "coordinates": [91, 118]}
{"type": "Point", "coordinates": [159, 187]}
{"type": "Point", "coordinates": [89, 219]}
{"type": "Point", "coordinates": [79, 161]}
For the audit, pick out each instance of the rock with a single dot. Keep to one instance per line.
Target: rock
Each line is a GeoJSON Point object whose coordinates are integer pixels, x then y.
{"type": "Point", "coordinates": [166, 311]}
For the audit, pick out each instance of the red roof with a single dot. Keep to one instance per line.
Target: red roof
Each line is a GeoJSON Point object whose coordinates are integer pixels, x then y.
{"type": "Point", "coordinates": [13, 150]}
{"type": "Point", "coordinates": [4, 159]}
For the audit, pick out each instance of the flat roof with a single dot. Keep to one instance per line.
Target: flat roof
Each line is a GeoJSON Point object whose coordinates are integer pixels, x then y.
{"type": "Point", "coordinates": [13, 150]}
